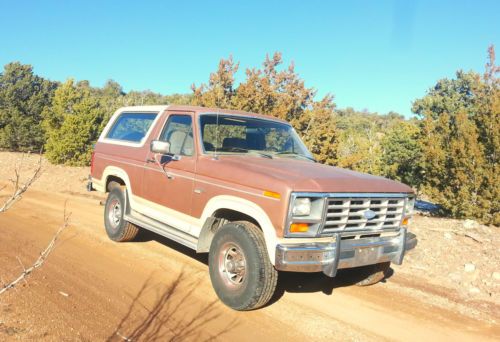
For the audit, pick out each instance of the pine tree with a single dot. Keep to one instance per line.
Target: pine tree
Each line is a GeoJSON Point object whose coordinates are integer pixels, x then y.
{"type": "Point", "coordinates": [220, 90]}
{"type": "Point", "coordinates": [488, 123]}
{"type": "Point", "coordinates": [400, 157]}
{"type": "Point", "coordinates": [459, 142]}
{"type": "Point", "coordinates": [72, 124]}
{"type": "Point", "coordinates": [23, 96]}
{"type": "Point", "coordinates": [278, 92]}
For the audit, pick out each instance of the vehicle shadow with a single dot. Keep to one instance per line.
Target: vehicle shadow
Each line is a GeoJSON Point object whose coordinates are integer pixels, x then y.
{"type": "Point", "coordinates": [146, 235]}
{"type": "Point", "coordinates": [160, 312]}
{"type": "Point", "coordinates": [292, 282]}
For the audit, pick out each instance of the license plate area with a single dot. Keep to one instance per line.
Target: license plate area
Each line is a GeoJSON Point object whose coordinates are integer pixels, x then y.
{"type": "Point", "coordinates": [368, 255]}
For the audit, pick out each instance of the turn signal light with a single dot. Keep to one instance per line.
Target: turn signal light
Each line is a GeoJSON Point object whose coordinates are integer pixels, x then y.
{"type": "Point", "coordinates": [299, 228]}
{"type": "Point", "coordinates": [405, 222]}
{"type": "Point", "coordinates": [272, 194]}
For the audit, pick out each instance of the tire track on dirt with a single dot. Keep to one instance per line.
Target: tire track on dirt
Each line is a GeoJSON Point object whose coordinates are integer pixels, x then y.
{"type": "Point", "coordinates": [103, 278]}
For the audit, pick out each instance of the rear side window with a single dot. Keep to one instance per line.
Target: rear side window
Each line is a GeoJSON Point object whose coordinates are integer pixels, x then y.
{"type": "Point", "coordinates": [131, 126]}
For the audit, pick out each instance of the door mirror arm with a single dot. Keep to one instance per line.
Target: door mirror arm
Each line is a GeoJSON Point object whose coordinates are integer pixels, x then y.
{"type": "Point", "coordinates": [163, 147]}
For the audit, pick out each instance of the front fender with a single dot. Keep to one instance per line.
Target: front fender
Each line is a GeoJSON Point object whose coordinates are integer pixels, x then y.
{"type": "Point", "coordinates": [248, 208]}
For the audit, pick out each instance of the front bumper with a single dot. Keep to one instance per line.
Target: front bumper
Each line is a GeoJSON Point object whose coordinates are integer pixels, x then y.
{"type": "Point", "coordinates": [342, 252]}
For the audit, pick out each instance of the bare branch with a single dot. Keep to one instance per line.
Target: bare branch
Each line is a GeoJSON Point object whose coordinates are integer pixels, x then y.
{"type": "Point", "coordinates": [41, 259]}
{"type": "Point", "coordinates": [19, 189]}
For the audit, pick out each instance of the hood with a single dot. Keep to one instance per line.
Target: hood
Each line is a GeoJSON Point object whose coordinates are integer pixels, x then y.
{"type": "Point", "coordinates": [299, 175]}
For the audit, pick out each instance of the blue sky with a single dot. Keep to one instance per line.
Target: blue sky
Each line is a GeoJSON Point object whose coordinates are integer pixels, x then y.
{"type": "Point", "coordinates": [375, 55]}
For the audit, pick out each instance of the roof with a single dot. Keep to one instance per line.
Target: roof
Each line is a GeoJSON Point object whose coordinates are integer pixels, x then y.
{"type": "Point", "coordinates": [201, 110]}
{"type": "Point", "coordinates": [159, 108]}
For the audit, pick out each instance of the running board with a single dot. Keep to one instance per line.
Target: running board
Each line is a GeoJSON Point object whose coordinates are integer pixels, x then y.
{"type": "Point", "coordinates": [162, 229]}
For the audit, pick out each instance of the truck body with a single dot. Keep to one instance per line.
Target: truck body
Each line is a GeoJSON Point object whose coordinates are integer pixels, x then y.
{"type": "Point", "coordinates": [186, 172]}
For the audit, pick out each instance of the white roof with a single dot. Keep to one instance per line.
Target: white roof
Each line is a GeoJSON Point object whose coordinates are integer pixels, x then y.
{"type": "Point", "coordinates": [157, 108]}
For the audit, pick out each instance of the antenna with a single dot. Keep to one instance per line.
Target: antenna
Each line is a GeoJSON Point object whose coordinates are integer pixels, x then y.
{"type": "Point", "coordinates": [216, 134]}
{"type": "Point", "coordinates": [217, 126]}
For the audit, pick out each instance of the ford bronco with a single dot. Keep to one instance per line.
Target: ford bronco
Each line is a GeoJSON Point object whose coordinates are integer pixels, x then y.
{"type": "Point", "coordinates": [243, 188]}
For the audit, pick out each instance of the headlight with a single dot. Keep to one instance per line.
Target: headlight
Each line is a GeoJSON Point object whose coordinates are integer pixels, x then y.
{"type": "Point", "coordinates": [301, 207]}
{"type": "Point", "coordinates": [410, 204]}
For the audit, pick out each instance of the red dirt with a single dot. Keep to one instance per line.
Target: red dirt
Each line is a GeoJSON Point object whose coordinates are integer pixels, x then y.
{"type": "Point", "coordinates": [92, 289]}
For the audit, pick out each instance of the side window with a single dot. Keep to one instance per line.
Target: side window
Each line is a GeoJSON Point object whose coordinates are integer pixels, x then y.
{"type": "Point", "coordinates": [131, 126]}
{"type": "Point", "coordinates": [179, 133]}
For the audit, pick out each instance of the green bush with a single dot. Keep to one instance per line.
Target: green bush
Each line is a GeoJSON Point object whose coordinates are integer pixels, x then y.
{"type": "Point", "coordinates": [72, 125]}
{"type": "Point", "coordinates": [23, 96]}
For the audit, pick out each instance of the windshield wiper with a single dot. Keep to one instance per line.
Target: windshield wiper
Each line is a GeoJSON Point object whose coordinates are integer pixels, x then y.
{"type": "Point", "coordinates": [262, 154]}
{"type": "Point", "coordinates": [244, 150]}
{"type": "Point", "coordinates": [233, 149]}
{"type": "Point", "coordinates": [296, 155]}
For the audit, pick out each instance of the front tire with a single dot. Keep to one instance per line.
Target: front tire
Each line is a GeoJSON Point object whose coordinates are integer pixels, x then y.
{"type": "Point", "coordinates": [116, 227]}
{"type": "Point", "coordinates": [240, 270]}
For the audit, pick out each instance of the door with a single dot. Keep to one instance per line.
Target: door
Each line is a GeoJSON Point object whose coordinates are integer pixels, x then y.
{"type": "Point", "coordinates": [168, 180]}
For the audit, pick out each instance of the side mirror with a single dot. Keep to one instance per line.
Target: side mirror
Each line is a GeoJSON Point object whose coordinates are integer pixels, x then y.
{"type": "Point", "coordinates": [162, 147]}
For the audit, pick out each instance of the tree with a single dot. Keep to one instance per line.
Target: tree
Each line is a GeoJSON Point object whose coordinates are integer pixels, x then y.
{"type": "Point", "coordinates": [360, 139]}
{"type": "Point", "coordinates": [23, 96]}
{"type": "Point", "coordinates": [220, 90]}
{"type": "Point", "coordinates": [277, 92]}
{"type": "Point", "coordinates": [400, 158]}
{"type": "Point", "coordinates": [111, 96]}
{"type": "Point", "coordinates": [360, 150]}
{"type": "Point", "coordinates": [317, 127]}
{"type": "Point", "coordinates": [73, 124]}
{"type": "Point", "coordinates": [488, 123]}
{"type": "Point", "coordinates": [459, 143]}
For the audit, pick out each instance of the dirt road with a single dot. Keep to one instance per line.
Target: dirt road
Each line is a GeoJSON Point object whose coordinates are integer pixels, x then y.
{"type": "Point", "coordinates": [93, 289]}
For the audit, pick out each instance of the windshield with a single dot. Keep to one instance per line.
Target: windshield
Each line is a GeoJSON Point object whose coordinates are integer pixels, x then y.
{"type": "Point", "coordinates": [236, 134]}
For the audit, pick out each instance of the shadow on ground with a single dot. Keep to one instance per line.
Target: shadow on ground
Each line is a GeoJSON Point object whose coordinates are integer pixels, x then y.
{"type": "Point", "coordinates": [292, 282]}
{"type": "Point", "coordinates": [161, 312]}
{"type": "Point", "coordinates": [317, 282]}
{"type": "Point", "coordinates": [146, 235]}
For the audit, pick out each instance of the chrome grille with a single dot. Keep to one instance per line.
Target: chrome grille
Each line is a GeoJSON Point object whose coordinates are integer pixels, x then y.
{"type": "Point", "coordinates": [347, 214]}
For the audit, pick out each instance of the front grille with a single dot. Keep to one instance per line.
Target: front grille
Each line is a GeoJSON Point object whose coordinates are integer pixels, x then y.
{"type": "Point", "coordinates": [347, 214]}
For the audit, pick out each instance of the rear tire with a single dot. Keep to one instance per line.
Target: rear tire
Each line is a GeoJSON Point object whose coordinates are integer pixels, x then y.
{"type": "Point", "coordinates": [373, 274]}
{"type": "Point", "coordinates": [240, 270]}
{"type": "Point", "coordinates": [116, 227]}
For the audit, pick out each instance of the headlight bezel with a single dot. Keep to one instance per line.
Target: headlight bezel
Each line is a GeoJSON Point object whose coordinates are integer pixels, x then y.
{"type": "Point", "coordinates": [314, 218]}
{"type": "Point", "coordinates": [408, 210]}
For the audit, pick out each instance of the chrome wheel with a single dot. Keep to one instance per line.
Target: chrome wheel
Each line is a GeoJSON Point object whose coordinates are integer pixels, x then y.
{"type": "Point", "coordinates": [114, 213]}
{"type": "Point", "coordinates": [232, 264]}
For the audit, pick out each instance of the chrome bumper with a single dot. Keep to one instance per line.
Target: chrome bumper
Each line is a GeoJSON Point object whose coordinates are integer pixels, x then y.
{"type": "Point", "coordinates": [343, 253]}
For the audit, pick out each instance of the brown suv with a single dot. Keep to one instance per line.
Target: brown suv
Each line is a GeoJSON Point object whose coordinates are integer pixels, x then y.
{"type": "Point", "coordinates": [245, 189]}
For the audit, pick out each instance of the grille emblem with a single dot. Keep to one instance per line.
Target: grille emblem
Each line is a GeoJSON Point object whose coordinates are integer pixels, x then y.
{"type": "Point", "coordinates": [369, 214]}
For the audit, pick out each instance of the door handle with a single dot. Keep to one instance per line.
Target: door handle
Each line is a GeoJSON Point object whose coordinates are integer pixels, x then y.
{"type": "Point", "coordinates": [150, 161]}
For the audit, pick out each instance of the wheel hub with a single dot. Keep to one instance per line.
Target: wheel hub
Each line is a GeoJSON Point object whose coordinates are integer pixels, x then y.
{"type": "Point", "coordinates": [232, 264]}
{"type": "Point", "coordinates": [114, 213]}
